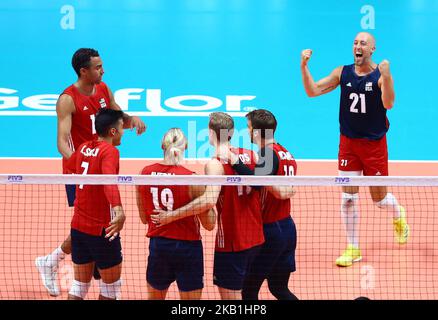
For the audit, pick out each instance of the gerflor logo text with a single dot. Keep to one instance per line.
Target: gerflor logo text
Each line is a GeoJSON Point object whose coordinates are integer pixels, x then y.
{"type": "Point", "coordinates": [151, 101]}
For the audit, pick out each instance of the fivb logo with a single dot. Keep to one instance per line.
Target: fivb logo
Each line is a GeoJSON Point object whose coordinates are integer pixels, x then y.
{"type": "Point", "coordinates": [132, 99]}
{"type": "Point", "coordinates": [15, 178]}
{"type": "Point", "coordinates": [342, 180]}
{"type": "Point", "coordinates": [125, 179]}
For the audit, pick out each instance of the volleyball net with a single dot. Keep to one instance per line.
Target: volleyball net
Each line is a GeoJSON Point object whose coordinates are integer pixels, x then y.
{"type": "Point", "coordinates": [35, 219]}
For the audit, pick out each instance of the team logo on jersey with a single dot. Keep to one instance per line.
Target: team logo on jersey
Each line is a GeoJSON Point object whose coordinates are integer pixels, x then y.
{"type": "Point", "coordinates": [349, 84]}
{"type": "Point", "coordinates": [85, 108]}
{"type": "Point", "coordinates": [369, 86]}
{"type": "Point", "coordinates": [102, 103]}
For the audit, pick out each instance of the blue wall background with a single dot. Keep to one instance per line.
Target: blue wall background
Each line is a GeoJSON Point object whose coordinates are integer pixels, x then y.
{"type": "Point", "coordinates": [218, 48]}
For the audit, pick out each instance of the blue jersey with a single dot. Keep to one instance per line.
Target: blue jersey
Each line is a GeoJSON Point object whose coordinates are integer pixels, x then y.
{"type": "Point", "coordinates": [361, 112]}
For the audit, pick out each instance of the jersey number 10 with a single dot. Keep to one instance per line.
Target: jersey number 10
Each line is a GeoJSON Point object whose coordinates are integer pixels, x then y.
{"type": "Point", "coordinates": [288, 170]}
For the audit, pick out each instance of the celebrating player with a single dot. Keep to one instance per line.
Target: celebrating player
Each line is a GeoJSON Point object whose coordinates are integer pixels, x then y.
{"type": "Point", "coordinates": [239, 220]}
{"type": "Point", "coordinates": [175, 249]}
{"type": "Point", "coordinates": [276, 259]}
{"type": "Point", "coordinates": [98, 213]}
{"type": "Point", "coordinates": [76, 109]}
{"type": "Point", "coordinates": [367, 92]}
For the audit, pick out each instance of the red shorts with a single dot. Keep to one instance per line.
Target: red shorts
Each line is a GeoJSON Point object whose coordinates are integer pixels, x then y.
{"type": "Point", "coordinates": [369, 156]}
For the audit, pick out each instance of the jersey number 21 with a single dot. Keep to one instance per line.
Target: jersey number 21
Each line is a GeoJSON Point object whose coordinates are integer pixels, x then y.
{"type": "Point", "coordinates": [356, 97]}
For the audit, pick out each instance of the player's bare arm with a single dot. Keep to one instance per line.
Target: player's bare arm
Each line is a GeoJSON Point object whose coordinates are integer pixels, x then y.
{"type": "Point", "coordinates": [323, 86]}
{"type": "Point", "coordinates": [140, 206]}
{"type": "Point", "coordinates": [386, 84]}
{"type": "Point", "coordinates": [116, 224]}
{"type": "Point", "coordinates": [129, 122]}
{"type": "Point", "coordinates": [281, 192]}
{"type": "Point", "coordinates": [199, 205]}
{"type": "Point", "coordinates": [65, 108]}
{"type": "Point", "coordinates": [208, 219]}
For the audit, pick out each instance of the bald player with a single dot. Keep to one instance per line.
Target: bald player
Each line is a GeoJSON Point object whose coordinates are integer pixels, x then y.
{"type": "Point", "coordinates": [367, 92]}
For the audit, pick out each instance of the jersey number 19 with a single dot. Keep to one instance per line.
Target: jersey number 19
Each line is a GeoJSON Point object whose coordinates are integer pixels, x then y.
{"type": "Point", "coordinates": [166, 198]}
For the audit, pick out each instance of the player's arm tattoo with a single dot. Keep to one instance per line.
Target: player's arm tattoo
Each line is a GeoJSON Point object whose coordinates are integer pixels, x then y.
{"type": "Point", "coordinates": [327, 89]}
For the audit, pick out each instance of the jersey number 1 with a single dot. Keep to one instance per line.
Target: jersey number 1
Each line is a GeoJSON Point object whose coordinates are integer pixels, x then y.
{"type": "Point", "coordinates": [355, 97]}
{"type": "Point", "coordinates": [93, 123]}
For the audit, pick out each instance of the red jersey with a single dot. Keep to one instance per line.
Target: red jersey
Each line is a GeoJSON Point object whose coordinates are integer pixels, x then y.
{"type": "Point", "coordinates": [240, 224]}
{"type": "Point", "coordinates": [93, 203]}
{"type": "Point", "coordinates": [86, 107]}
{"type": "Point", "coordinates": [168, 198]}
{"type": "Point", "coordinates": [274, 209]}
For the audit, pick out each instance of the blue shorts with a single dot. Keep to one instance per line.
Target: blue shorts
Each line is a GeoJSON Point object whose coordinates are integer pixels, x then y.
{"type": "Point", "coordinates": [86, 248]}
{"type": "Point", "coordinates": [175, 260]}
{"type": "Point", "coordinates": [70, 189]}
{"type": "Point", "coordinates": [277, 254]}
{"type": "Point", "coordinates": [231, 268]}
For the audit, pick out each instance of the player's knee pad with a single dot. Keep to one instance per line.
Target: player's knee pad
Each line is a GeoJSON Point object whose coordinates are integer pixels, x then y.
{"type": "Point", "coordinates": [349, 200]}
{"type": "Point", "coordinates": [111, 290]}
{"type": "Point", "coordinates": [79, 289]}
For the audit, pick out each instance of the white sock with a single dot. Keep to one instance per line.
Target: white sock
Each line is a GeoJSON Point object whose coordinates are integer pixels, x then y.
{"type": "Point", "coordinates": [56, 256]}
{"type": "Point", "coordinates": [390, 203]}
{"type": "Point", "coordinates": [350, 216]}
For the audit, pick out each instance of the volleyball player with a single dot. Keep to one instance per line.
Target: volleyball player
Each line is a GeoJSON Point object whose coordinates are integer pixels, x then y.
{"type": "Point", "coordinates": [276, 259]}
{"type": "Point", "coordinates": [367, 92]}
{"type": "Point", "coordinates": [98, 214]}
{"type": "Point", "coordinates": [76, 111]}
{"type": "Point", "coordinates": [175, 249]}
{"type": "Point", "coordinates": [239, 221]}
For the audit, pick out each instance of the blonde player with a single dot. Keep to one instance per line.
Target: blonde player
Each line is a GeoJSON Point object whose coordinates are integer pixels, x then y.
{"type": "Point", "coordinates": [175, 250]}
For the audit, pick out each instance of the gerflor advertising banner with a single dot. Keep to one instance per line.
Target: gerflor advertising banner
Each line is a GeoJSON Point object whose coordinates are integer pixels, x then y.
{"type": "Point", "coordinates": [173, 62]}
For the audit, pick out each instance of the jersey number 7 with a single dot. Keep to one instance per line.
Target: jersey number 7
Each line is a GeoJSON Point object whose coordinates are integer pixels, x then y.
{"type": "Point", "coordinates": [84, 165]}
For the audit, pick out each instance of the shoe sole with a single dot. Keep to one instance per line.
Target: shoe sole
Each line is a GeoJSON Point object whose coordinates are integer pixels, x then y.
{"type": "Point", "coordinates": [42, 279]}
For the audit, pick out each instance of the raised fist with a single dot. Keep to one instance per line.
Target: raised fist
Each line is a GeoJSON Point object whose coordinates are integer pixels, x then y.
{"type": "Point", "coordinates": [305, 56]}
{"type": "Point", "coordinates": [384, 68]}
